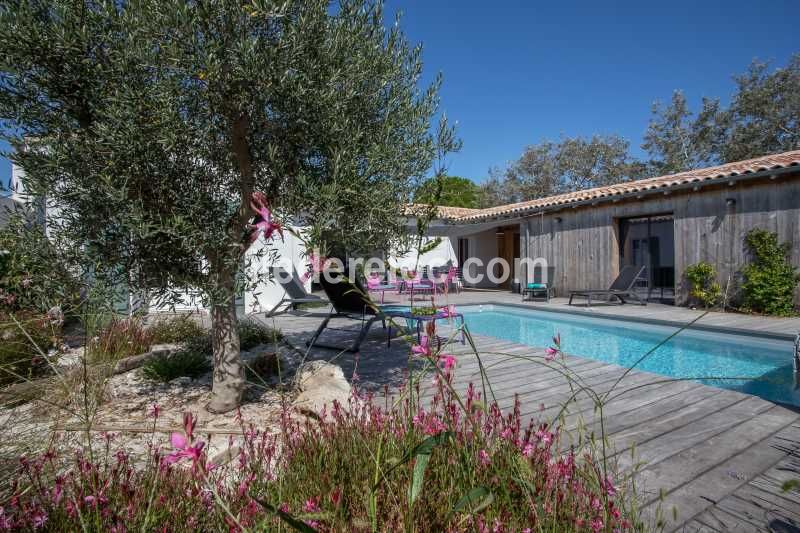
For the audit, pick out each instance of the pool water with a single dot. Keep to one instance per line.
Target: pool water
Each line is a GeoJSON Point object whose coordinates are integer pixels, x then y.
{"type": "Point", "coordinates": [764, 364]}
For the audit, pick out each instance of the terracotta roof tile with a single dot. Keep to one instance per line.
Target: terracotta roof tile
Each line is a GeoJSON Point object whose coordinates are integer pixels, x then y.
{"type": "Point", "coordinates": [443, 211]}
{"type": "Point", "coordinates": [718, 173]}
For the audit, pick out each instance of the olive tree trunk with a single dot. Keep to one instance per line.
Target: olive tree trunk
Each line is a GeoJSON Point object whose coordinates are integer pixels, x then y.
{"type": "Point", "coordinates": [229, 382]}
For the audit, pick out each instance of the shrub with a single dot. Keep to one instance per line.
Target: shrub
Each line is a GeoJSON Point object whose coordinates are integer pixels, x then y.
{"type": "Point", "coordinates": [403, 467]}
{"type": "Point", "coordinates": [702, 283]}
{"type": "Point", "coordinates": [24, 341]}
{"type": "Point", "coordinates": [770, 280]}
{"type": "Point", "coordinates": [120, 338]}
{"type": "Point", "coordinates": [252, 334]}
{"type": "Point", "coordinates": [182, 363]}
{"type": "Point", "coordinates": [176, 330]}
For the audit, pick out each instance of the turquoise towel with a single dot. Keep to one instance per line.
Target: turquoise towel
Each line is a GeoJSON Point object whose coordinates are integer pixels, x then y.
{"type": "Point", "coordinates": [537, 285]}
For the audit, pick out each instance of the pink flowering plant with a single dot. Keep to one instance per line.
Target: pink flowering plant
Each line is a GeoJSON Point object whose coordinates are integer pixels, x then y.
{"type": "Point", "coordinates": [431, 456]}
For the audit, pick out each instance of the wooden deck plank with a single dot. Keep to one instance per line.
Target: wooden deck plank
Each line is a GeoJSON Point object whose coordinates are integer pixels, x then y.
{"type": "Point", "coordinates": [702, 475]}
{"type": "Point", "coordinates": [716, 453]}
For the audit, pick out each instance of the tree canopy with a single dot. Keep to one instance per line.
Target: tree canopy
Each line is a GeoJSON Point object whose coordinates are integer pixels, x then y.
{"type": "Point", "coordinates": [452, 191]}
{"type": "Point", "coordinates": [570, 164]}
{"type": "Point", "coordinates": [762, 118]}
{"type": "Point", "coordinates": [150, 125]}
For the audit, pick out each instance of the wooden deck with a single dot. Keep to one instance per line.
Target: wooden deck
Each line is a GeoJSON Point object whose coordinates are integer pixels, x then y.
{"type": "Point", "coordinates": [718, 457]}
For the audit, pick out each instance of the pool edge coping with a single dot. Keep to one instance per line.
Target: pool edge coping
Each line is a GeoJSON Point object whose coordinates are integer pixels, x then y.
{"type": "Point", "coordinates": [653, 321]}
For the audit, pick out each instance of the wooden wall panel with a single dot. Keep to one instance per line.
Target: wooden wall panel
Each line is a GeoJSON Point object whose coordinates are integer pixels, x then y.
{"type": "Point", "coordinates": [583, 245]}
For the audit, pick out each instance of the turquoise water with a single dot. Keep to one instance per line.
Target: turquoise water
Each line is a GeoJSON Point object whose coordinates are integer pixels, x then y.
{"type": "Point", "coordinates": [765, 364]}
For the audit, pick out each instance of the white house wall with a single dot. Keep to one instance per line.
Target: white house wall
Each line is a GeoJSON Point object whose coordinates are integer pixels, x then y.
{"type": "Point", "coordinates": [441, 255]}
{"type": "Point", "coordinates": [291, 256]}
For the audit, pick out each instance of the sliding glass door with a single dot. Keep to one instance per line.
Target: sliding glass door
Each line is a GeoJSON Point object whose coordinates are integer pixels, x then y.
{"type": "Point", "coordinates": [650, 242]}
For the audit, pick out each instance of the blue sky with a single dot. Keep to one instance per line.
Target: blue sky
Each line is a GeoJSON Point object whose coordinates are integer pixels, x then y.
{"type": "Point", "coordinates": [516, 72]}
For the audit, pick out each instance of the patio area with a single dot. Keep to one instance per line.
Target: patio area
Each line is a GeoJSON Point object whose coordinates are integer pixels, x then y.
{"type": "Point", "coordinates": [716, 455]}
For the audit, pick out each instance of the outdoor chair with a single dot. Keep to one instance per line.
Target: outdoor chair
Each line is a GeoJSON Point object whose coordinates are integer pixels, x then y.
{"type": "Point", "coordinates": [621, 288]}
{"type": "Point", "coordinates": [295, 292]}
{"type": "Point", "coordinates": [540, 287]}
{"type": "Point", "coordinates": [349, 300]}
{"type": "Point", "coordinates": [376, 284]}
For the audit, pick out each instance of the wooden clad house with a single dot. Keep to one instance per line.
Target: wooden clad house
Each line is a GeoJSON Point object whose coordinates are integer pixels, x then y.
{"type": "Point", "coordinates": [665, 223]}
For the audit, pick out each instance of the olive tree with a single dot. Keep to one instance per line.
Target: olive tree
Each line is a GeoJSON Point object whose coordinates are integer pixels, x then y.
{"type": "Point", "coordinates": [151, 124]}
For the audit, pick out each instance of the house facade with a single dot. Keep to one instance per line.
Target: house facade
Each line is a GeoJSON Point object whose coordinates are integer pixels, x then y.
{"type": "Point", "coordinates": [664, 224]}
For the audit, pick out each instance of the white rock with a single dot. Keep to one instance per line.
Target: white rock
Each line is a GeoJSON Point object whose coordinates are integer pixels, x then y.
{"type": "Point", "coordinates": [320, 383]}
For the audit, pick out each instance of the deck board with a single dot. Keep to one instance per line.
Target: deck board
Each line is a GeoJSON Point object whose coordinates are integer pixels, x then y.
{"type": "Point", "coordinates": [718, 456]}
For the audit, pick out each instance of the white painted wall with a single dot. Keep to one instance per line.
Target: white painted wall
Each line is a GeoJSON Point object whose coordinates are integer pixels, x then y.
{"type": "Point", "coordinates": [437, 257]}
{"type": "Point", "coordinates": [291, 257]}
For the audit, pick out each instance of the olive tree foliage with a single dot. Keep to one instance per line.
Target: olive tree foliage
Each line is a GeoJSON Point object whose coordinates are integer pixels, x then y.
{"type": "Point", "coordinates": [149, 124]}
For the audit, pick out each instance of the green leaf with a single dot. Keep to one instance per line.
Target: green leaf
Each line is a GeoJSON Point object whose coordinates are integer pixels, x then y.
{"type": "Point", "coordinates": [423, 448]}
{"type": "Point", "coordinates": [791, 484]}
{"type": "Point", "coordinates": [420, 466]}
{"type": "Point", "coordinates": [291, 521]}
{"type": "Point", "coordinates": [474, 501]}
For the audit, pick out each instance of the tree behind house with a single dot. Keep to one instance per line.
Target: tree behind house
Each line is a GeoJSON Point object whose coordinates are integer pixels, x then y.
{"type": "Point", "coordinates": [571, 164]}
{"type": "Point", "coordinates": [150, 124]}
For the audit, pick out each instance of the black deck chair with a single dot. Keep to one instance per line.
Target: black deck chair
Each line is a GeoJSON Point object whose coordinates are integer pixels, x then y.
{"type": "Point", "coordinates": [621, 288]}
{"type": "Point", "coordinates": [349, 300]}
{"type": "Point", "coordinates": [295, 292]}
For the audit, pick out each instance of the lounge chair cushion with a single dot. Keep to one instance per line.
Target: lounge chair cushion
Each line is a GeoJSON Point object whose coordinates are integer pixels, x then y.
{"type": "Point", "coordinates": [537, 285]}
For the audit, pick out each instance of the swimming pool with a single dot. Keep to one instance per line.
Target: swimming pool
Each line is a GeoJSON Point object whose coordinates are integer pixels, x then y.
{"type": "Point", "coordinates": [765, 363]}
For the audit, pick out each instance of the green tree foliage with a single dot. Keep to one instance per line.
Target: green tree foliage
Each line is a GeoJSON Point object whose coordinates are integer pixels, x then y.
{"type": "Point", "coordinates": [677, 140]}
{"type": "Point", "coordinates": [764, 115]}
{"type": "Point", "coordinates": [149, 124]}
{"type": "Point", "coordinates": [703, 286]}
{"type": "Point", "coordinates": [450, 191]}
{"type": "Point", "coordinates": [571, 164]}
{"type": "Point", "coordinates": [770, 280]}
{"type": "Point", "coordinates": [36, 274]}
{"type": "Point", "coordinates": [763, 118]}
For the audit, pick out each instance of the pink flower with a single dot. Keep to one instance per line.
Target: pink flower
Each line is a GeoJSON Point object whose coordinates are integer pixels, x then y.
{"type": "Point", "coordinates": [597, 524]}
{"type": "Point", "coordinates": [609, 487]}
{"type": "Point", "coordinates": [483, 457]}
{"type": "Point", "coordinates": [317, 264]}
{"type": "Point", "coordinates": [336, 496]}
{"type": "Point", "coordinates": [263, 220]}
{"type": "Point", "coordinates": [448, 362]}
{"type": "Point", "coordinates": [448, 311]}
{"type": "Point", "coordinates": [423, 349]}
{"type": "Point", "coordinates": [527, 451]}
{"type": "Point", "coordinates": [550, 353]}
{"type": "Point", "coordinates": [155, 410]}
{"type": "Point", "coordinates": [311, 505]}
{"type": "Point", "coordinates": [184, 449]}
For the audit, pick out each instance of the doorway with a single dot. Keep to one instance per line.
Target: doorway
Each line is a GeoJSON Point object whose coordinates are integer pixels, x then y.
{"type": "Point", "coordinates": [649, 241]}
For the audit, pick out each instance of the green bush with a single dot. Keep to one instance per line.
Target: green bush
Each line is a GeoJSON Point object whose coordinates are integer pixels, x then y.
{"type": "Point", "coordinates": [183, 363]}
{"type": "Point", "coordinates": [702, 284]}
{"type": "Point", "coordinates": [770, 280]}
{"type": "Point", "coordinates": [252, 334]}
{"type": "Point", "coordinates": [24, 339]}
{"type": "Point", "coordinates": [176, 330]}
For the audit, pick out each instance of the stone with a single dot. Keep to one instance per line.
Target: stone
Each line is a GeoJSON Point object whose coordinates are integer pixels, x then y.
{"type": "Point", "coordinates": [181, 381]}
{"type": "Point", "coordinates": [320, 383]}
